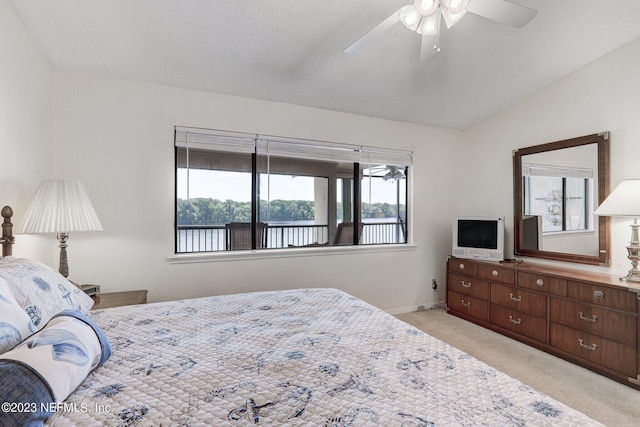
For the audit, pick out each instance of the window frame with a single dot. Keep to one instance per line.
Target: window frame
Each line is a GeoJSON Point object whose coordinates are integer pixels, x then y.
{"type": "Point", "coordinates": [355, 151]}
{"type": "Point", "coordinates": [563, 198]}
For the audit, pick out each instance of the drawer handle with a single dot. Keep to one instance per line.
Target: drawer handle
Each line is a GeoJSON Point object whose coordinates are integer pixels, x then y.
{"type": "Point", "coordinates": [495, 273]}
{"type": "Point", "coordinates": [465, 284]}
{"type": "Point", "coordinates": [591, 319]}
{"type": "Point", "coordinates": [591, 347]}
{"type": "Point", "coordinates": [540, 282]}
{"type": "Point", "coordinates": [461, 266]}
{"type": "Point", "coordinates": [466, 304]}
{"type": "Point", "coordinates": [598, 294]}
{"type": "Point", "coordinates": [515, 299]}
{"type": "Point", "coordinates": [515, 321]}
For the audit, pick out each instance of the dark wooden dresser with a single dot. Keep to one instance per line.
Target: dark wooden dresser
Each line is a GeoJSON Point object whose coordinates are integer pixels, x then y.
{"type": "Point", "coordinates": [587, 318]}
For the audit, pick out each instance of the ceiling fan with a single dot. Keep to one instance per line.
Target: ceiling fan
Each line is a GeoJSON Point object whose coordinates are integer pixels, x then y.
{"type": "Point", "coordinates": [386, 172]}
{"type": "Point", "coordinates": [425, 16]}
{"type": "Point", "coordinates": [394, 173]}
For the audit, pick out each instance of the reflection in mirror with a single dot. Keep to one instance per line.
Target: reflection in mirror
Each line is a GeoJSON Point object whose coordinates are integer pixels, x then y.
{"type": "Point", "coordinates": [558, 199]}
{"type": "Point", "coordinates": [557, 188]}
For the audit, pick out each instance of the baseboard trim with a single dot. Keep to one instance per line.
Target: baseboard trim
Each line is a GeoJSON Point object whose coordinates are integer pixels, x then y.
{"type": "Point", "coordinates": [411, 309]}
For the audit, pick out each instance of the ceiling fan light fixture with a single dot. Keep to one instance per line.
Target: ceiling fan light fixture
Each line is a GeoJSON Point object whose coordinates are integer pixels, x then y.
{"type": "Point", "coordinates": [452, 18]}
{"type": "Point", "coordinates": [426, 7]}
{"type": "Point", "coordinates": [414, 17]}
{"type": "Point", "coordinates": [394, 174]}
{"type": "Point", "coordinates": [429, 24]}
{"type": "Point", "coordinates": [410, 17]}
{"type": "Point", "coordinates": [455, 6]}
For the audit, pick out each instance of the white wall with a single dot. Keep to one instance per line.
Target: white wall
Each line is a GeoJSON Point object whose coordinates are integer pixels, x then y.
{"type": "Point", "coordinates": [25, 123]}
{"type": "Point", "coordinates": [603, 96]}
{"type": "Point", "coordinates": [117, 138]}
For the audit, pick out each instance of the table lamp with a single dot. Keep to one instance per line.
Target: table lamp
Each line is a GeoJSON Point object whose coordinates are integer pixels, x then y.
{"type": "Point", "coordinates": [624, 201]}
{"type": "Point", "coordinates": [60, 206]}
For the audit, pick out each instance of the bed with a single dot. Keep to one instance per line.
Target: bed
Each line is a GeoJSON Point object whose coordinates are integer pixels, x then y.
{"type": "Point", "coordinates": [317, 357]}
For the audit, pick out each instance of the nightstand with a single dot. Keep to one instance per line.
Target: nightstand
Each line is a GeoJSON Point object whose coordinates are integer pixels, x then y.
{"type": "Point", "coordinates": [118, 299]}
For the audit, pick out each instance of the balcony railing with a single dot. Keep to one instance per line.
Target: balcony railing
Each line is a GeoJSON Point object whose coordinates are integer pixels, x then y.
{"type": "Point", "coordinates": [212, 238]}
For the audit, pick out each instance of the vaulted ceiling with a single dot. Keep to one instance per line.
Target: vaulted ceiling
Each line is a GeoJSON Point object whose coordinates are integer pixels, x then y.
{"type": "Point", "coordinates": [293, 51]}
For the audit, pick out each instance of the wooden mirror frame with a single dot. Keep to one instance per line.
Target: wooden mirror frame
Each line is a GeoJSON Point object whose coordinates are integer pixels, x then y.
{"type": "Point", "coordinates": [603, 258]}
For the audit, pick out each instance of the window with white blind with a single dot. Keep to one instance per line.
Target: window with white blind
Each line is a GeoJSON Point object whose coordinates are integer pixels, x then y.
{"type": "Point", "coordinates": [238, 191]}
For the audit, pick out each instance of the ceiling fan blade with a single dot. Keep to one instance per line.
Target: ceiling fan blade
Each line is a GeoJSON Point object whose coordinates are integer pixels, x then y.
{"type": "Point", "coordinates": [376, 31]}
{"type": "Point", "coordinates": [428, 47]}
{"type": "Point", "coordinates": [502, 11]}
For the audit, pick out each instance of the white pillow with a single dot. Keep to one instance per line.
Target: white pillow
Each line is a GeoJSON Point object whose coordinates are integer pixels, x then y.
{"type": "Point", "coordinates": [15, 324]}
{"type": "Point", "coordinates": [41, 291]}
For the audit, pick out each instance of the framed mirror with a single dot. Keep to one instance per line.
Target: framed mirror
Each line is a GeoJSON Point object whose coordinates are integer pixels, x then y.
{"type": "Point", "coordinates": [557, 186]}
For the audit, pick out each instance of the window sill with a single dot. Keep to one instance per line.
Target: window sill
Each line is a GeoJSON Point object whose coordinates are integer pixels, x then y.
{"type": "Point", "coordinates": [552, 234]}
{"type": "Point", "coordinates": [285, 253]}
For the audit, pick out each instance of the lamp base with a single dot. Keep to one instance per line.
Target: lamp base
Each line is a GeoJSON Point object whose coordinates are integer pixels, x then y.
{"type": "Point", "coordinates": [64, 264]}
{"type": "Point", "coordinates": [633, 251]}
{"type": "Point", "coordinates": [632, 276]}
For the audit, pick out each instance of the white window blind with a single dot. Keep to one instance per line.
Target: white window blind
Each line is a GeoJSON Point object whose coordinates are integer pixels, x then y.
{"type": "Point", "coordinates": [309, 150]}
{"type": "Point", "coordinates": [204, 139]}
{"type": "Point", "coordinates": [530, 169]}
{"type": "Point", "coordinates": [236, 142]}
{"type": "Point", "coordinates": [328, 151]}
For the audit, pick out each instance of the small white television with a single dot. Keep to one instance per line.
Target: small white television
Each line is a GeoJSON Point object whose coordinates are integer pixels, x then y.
{"type": "Point", "coordinates": [478, 237]}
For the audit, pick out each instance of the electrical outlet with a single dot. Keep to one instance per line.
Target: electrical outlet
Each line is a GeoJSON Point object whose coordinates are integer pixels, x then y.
{"type": "Point", "coordinates": [434, 284]}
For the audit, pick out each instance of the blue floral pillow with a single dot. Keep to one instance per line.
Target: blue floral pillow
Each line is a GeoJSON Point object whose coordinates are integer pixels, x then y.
{"type": "Point", "coordinates": [15, 324]}
{"type": "Point", "coordinates": [41, 291]}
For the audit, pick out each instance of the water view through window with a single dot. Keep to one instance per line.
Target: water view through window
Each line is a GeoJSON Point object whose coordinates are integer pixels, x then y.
{"type": "Point", "coordinates": [232, 195]}
{"type": "Point", "coordinates": [294, 207]}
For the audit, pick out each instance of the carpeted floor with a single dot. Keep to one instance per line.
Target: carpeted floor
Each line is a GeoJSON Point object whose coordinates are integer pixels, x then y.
{"type": "Point", "coordinates": [604, 400]}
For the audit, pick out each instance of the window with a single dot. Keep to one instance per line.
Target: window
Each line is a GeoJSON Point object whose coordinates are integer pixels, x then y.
{"type": "Point", "coordinates": [240, 191]}
{"type": "Point", "coordinates": [560, 196]}
{"type": "Point", "coordinates": [383, 204]}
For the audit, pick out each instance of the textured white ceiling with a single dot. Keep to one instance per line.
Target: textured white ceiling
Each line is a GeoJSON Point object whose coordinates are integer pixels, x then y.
{"type": "Point", "coordinates": [292, 51]}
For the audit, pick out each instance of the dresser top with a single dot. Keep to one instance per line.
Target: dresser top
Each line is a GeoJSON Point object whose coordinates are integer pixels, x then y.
{"type": "Point", "coordinates": [565, 273]}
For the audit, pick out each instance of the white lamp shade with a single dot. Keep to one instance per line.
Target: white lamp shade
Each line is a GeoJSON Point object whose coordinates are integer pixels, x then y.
{"type": "Point", "coordinates": [624, 200]}
{"type": "Point", "coordinates": [60, 206]}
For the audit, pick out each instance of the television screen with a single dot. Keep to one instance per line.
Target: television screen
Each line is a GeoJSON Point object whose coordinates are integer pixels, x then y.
{"type": "Point", "coordinates": [473, 233]}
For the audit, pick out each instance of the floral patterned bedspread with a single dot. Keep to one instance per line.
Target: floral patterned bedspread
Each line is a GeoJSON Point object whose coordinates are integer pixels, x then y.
{"type": "Point", "coordinates": [310, 357]}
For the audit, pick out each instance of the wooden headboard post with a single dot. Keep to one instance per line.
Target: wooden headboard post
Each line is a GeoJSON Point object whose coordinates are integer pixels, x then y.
{"type": "Point", "coordinates": [7, 238]}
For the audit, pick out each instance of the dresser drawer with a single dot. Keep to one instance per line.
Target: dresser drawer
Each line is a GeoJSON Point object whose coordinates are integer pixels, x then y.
{"type": "Point", "coordinates": [497, 274]}
{"type": "Point", "coordinates": [519, 299]}
{"type": "Point", "coordinates": [604, 352]}
{"type": "Point", "coordinates": [469, 305]}
{"type": "Point", "coordinates": [608, 324]}
{"type": "Point", "coordinates": [600, 295]}
{"type": "Point", "coordinates": [551, 285]}
{"type": "Point", "coordinates": [469, 286]}
{"type": "Point", "coordinates": [519, 322]}
{"type": "Point", "coordinates": [463, 266]}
